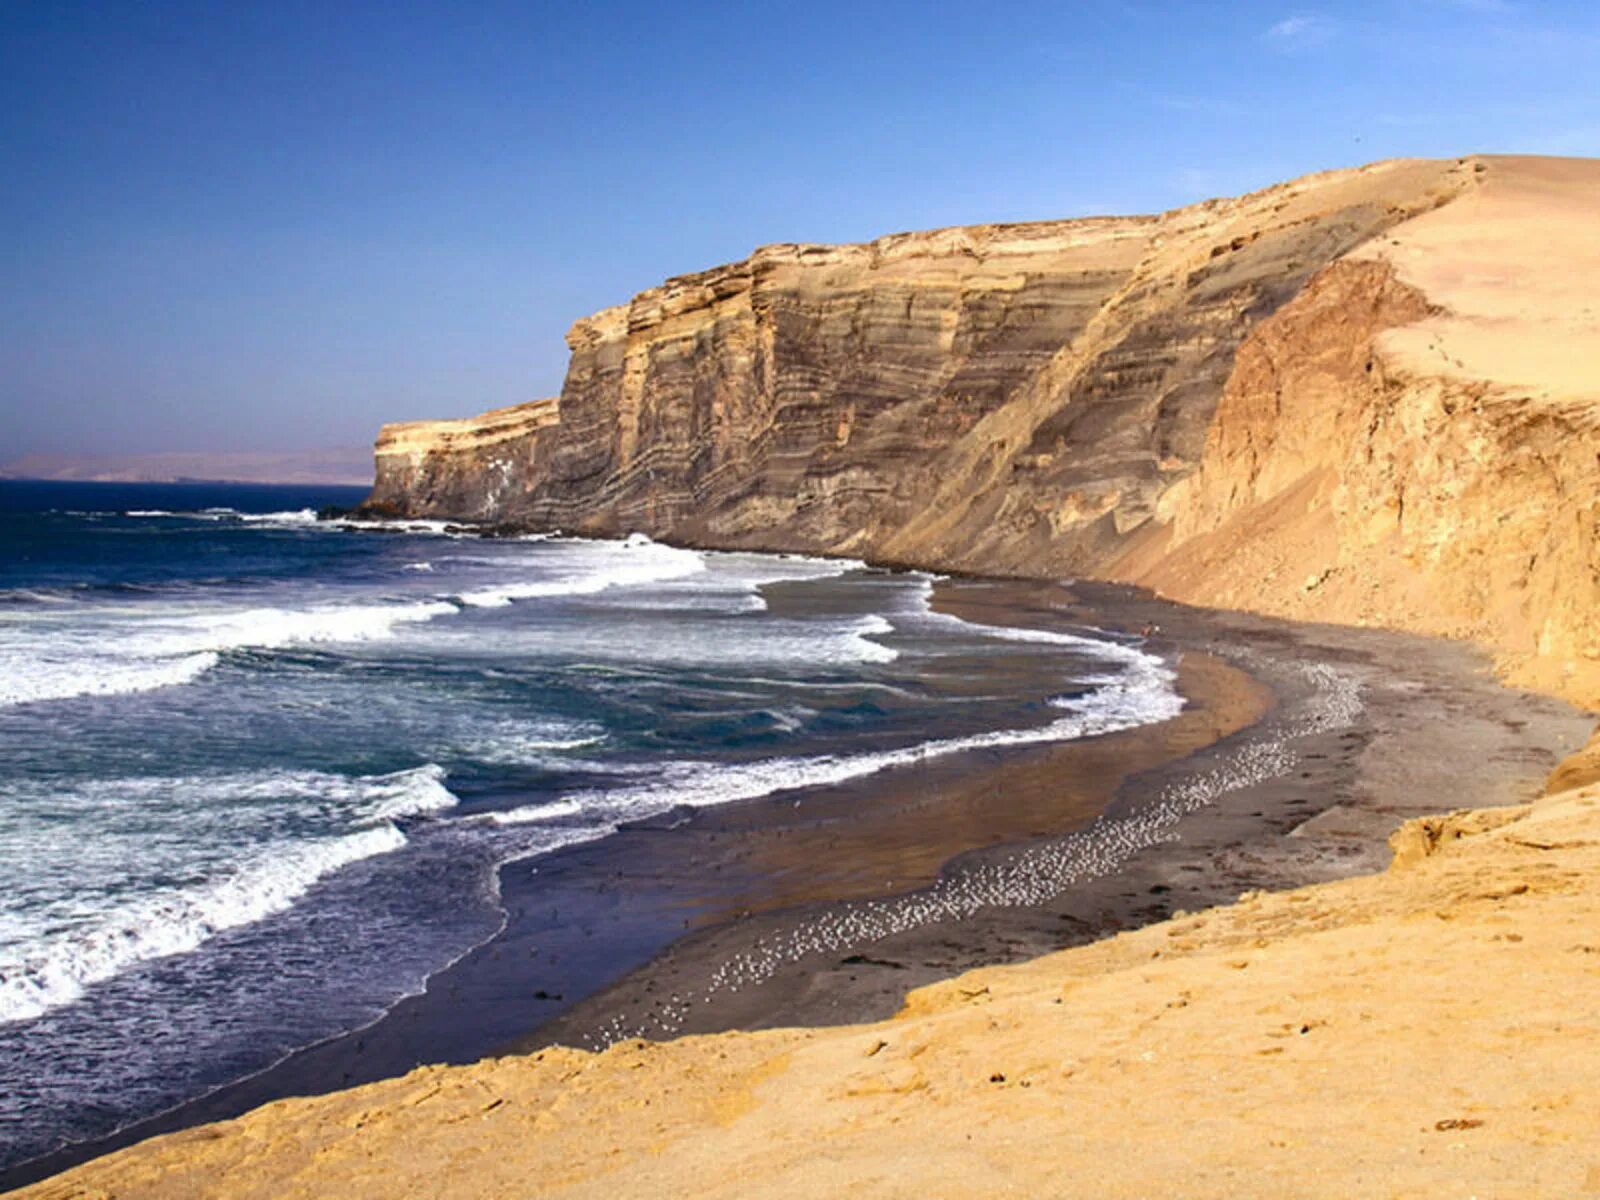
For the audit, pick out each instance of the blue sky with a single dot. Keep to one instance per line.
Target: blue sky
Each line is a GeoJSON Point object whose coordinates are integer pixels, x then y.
{"type": "Point", "coordinates": [276, 225]}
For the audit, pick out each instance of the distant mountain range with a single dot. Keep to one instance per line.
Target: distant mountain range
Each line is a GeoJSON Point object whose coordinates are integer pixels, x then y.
{"type": "Point", "coordinates": [342, 465]}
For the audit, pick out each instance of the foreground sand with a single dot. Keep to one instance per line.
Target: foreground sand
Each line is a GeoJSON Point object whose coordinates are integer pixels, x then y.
{"type": "Point", "coordinates": [1427, 1031]}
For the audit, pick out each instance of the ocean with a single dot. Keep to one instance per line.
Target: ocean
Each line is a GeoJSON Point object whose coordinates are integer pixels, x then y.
{"type": "Point", "coordinates": [261, 771]}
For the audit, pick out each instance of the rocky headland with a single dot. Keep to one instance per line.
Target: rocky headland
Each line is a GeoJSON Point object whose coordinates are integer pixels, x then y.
{"type": "Point", "coordinates": [1367, 397]}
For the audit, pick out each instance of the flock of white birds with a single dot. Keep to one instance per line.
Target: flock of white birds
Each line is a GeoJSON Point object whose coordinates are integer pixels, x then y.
{"type": "Point", "coordinates": [1033, 876]}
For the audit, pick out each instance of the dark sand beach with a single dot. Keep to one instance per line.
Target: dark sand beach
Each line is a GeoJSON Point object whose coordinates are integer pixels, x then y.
{"type": "Point", "coordinates": [1300, 749]}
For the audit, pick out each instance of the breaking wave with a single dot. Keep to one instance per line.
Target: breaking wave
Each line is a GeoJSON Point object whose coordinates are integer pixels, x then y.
{"type": "Point", "coordinates": [76, 947]}
{"type": "Point", "coordinates": [642, 562]}
{"type": "Point", "coordinates": [1142, 693]}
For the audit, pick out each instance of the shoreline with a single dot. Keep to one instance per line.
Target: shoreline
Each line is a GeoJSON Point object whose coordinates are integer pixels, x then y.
{"type": "Point", "coordinates": [671, 911]}
{"type": "Point", "coordinates": [1439, 725]}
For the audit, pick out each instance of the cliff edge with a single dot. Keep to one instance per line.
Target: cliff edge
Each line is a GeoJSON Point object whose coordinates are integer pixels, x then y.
{"type": "Point", "coordinates": [1363, 396]}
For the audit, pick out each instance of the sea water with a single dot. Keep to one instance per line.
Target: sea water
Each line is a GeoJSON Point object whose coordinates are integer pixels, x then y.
{"type": "Point", "coordinates": [260, 770]}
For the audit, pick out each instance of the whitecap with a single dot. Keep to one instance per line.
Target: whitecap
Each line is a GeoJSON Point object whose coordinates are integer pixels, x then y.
{"type": "Point", "coordinates": [269, 628]}
{"type": "Point", "coordinates": [406, 793]}
{"type": "Point", "coordinates": [862, 633]}
{"type": "Point", "coordinates": [636, 563]}
{"type": "Point", "coordinates": [516, 743]}
{"type": "Point", "coordinates": [210, 852]}
{"type": "Point", "coordinates": [300, 516]}
{"type": "Point", "coordinates": [203, 514]}
{"type": "Point", "coordinates": [33, 678]}
{"type": "Point", "coordinates": [62, 663]}
{"type": "Point", "coordinates": [57, 971]}
{"type": "Point", "coordinates": [533, 813]}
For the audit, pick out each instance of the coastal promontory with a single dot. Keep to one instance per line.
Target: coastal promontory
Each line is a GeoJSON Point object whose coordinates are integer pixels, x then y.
{"type": "Point", "coordinates": [1365, 396]}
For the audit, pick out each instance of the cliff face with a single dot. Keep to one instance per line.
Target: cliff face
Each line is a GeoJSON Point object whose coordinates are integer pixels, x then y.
{"type": "Point", "coordinates": [1414, 440]}
{"type": "Point", "coordinates": [472, 469]}
{"type": "Point", "coordinates": [1313, 400]}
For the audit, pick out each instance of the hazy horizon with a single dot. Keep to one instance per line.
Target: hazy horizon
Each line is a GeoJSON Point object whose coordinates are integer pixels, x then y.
{"type": "Point", "coordinates": [339, 465]}
{"type": "Point", "coordinates": [273, 228]}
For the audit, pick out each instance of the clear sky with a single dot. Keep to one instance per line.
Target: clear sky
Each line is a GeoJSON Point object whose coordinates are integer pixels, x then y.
{"type": "Point", "coordinates": [232, 225]}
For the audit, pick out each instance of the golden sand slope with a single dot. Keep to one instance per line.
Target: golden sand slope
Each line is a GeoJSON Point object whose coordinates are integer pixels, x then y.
{"type": "Point", "coordinates": [1412, 440]}
{"type": "Point", "coordinates": [1429, 1031]}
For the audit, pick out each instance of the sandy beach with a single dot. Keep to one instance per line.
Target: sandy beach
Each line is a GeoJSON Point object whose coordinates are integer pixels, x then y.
{"type": "Point", "coordinates": [1324, 812]}
{"type": "Point", "coordinates": [938, 605]}
{"type": "Point", "coordinates": [1300, 749]}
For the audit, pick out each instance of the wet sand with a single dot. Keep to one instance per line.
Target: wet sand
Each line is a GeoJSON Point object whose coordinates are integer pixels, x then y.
{"type": "Point", "coordinates": [1431, 723]}
{"type": "Point", "coordinates": [635, 935]}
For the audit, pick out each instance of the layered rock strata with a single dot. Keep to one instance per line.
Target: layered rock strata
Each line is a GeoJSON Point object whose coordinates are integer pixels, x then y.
{"type": "Point", "coordinates": [1414, 439]}
{"type": "Point", "coordinates": [472, 469]}
{"type": "Point", "coordinates": [1359, 396]}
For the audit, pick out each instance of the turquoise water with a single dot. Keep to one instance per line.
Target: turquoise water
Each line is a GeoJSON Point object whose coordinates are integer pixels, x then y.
{"type": "Point", "coordinates": [261, 769]}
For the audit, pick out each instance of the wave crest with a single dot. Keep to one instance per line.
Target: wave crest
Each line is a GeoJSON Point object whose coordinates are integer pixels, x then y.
{"type": "Point", "coordinates": [57, 972]}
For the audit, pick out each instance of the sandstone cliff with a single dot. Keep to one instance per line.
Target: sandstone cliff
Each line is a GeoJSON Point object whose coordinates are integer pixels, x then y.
{"type": "Point", "coordinates": [472, 469]}
{"type": "Point", "coordinates": [1414, 439]}
{"type": "Point", "coordinates": [1360, 396]}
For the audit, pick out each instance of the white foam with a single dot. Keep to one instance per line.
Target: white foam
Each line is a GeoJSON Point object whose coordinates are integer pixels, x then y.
{"type": "Point", "coordinates": [403, 525]}
{"type": "Point", "coordinates": [1143, 696]}
{"type": "Point", "coordinates": [513, 743]}
{"type": "Point", "coordinates": [1139, 692]}
{"type": "Point", "coordinates": [118, 656]}
{"type": "Point", "coordinates": [163, 650]}
{"type": "Point", "coordinates": [210, 797]}
{"type": "Point", "coordinates": [533, 813]}
{"type": "Point", "coordinates": [820, 643]}
{"type": "Point", "coordinates": [407, 793]}
{"type": "Point", "coordinates": [732, 581]}
{"type": "Point", "coordinates": [864, 630]}
{"type": "Point", "coordinates": [270, 628]}
{"type": "Point", "coordinates": [638, 561]}
{"type": "Point", "coordinates": [202, 514]}
{"type": "Point", "coordinates": [920, 612]}
{"type": "Point", "coordinates": [300, 826]}
{"type": "Point", "coordinates": [300, 516]}
{"type": "Point", "coordinates": [30, 679]}
{"type": "Point", "coordinates": [176, 921]}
